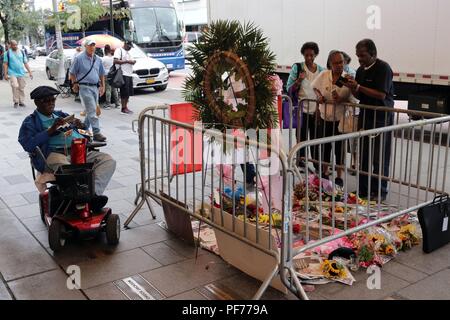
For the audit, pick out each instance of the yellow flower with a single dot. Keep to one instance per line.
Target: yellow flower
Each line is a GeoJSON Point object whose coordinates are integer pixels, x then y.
{"type": "Point", "coordinates": [332, 269]}
{"type": "Point", "coordinates": [389, 250]}
{"type": "Point", "coordinates": [376, 238]}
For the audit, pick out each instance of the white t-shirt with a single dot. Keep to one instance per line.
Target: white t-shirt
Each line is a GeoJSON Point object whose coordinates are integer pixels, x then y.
{"type": "Point", "coordinates": [127, 68]}
{"type": "Point", "coordinates": [306, 89]}
{"type": "Point", "coordinates": [324, 83]}
{"type": "Point", "coordinates": [107, 62]}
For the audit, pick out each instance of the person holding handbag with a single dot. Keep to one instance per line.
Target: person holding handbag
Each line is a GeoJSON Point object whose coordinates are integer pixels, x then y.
{"type": "Point", "coordinates": [88, 77]}
{"type": "Point", "coordinates": [299, 87]}
{"type": "Point", "coordinates": [111, 92]}
{"type": "Point", "coordinates": [123, 58]}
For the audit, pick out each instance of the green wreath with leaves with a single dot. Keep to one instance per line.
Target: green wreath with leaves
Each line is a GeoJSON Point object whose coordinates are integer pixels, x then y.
{"type": "Point", "coordinates": [232, 55]}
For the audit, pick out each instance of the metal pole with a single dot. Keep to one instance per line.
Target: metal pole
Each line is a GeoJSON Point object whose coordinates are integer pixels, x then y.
{"type": "Point", "coordinates": [111, 19]}
{"type": "Point", "coordinates": [59, 44]}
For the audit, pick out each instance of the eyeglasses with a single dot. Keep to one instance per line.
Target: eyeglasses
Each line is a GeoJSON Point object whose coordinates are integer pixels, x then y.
{"type": "Point", "coordinates": [48, 100]}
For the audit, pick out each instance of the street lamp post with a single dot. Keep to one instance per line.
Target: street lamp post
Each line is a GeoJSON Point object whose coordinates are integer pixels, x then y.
{"type": "Point", "coordinates": [59, 45]}
{"type": "Point", "coordinates": [111, 19]}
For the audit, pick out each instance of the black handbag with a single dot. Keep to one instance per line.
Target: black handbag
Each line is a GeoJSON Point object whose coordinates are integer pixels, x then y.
{"type": "Point", "coordinates": [115, 75]}
{"type": "Point", "coordinates": [434, 221]}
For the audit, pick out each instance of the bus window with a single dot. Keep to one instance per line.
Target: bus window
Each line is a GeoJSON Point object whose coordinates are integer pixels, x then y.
{"type": "Point", "coordinates": [145, 24]}
{"type": "Point", "coordinates": [167, 19]}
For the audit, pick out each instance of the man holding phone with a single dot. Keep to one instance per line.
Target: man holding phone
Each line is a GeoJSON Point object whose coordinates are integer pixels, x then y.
{"type": "Point", "coordinates": [53, 131]}
{"type": "Point", "coordinates": [373, 86]}
{"type": "Point", "coordinates": [123, 58]}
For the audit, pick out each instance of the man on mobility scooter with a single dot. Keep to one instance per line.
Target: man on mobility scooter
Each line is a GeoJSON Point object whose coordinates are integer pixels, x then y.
{"type": "Point", "coordinates": [57, 145]}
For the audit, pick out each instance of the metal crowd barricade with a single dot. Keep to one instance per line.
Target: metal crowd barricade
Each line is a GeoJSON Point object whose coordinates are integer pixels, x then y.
{"type": "Point", "coordinates": [190, 168]}
{"type": "Point", "coordinates": [418, 157]}
{"type": "Point", "coordinates": [141, 197]}
{"type": "Point", "coordinates": [354, 117]}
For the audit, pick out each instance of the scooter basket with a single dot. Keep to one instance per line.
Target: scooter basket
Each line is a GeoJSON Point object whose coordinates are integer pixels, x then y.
{"type": "Point", "coordinates": [76, 181]}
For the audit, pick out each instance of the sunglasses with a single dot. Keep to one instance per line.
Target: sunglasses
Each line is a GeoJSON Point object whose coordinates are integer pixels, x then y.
{"type": "Point", "coordinates": [48, 100]}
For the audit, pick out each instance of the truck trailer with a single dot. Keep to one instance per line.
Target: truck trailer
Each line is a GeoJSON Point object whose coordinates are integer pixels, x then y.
{"type": "Point", "coordinates": [411, 35]}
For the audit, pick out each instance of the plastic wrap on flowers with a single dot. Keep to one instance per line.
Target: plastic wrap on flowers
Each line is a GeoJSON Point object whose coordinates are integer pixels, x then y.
{"type": "Point", "coordinates": [374, 246]}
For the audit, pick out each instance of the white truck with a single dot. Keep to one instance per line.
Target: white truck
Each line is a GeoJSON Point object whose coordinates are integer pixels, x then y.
{"type": "Point", "coordinates": [411, 35]}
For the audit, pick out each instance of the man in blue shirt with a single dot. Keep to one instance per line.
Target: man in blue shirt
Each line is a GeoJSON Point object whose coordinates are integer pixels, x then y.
{"type": "Point", "coordinates": [42, 129]}
{"type": "Point", "coordinates": [88, 77]}
{"type": "Point", "coordinates": [14, 61]}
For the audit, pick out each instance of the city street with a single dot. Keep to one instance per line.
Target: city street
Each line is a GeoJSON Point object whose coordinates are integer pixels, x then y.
{"type": "Point", "coordinates": [162, 264]}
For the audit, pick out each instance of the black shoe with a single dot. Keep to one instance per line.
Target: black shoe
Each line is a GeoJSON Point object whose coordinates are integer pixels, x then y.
{"type": "Point", "coordinates": [338, 181]}
{"type": "Point", "coordinates": [99, 137]}
{"type": "Point", "coordinates": [362, 195]}
{"type": "Point", "coordinates": [22, 105]}
{"type": "Point", "coordinates": [374, 196]}
{"type": "Point", "coordinates": [16, 105]}
{"type": "Point", "coordinates": [98, 203]}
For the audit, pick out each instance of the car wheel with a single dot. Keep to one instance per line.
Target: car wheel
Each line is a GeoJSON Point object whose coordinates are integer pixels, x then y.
{"type": "Point", "coordinates": [49, 75]}
{"type": "Point", "coordinates": [161, 88]}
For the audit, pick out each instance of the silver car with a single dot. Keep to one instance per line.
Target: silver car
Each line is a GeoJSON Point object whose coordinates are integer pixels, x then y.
{"type": "Point", "coordinates": [190, 38]}
{"type": "Point", "coordinates": [52, 62]}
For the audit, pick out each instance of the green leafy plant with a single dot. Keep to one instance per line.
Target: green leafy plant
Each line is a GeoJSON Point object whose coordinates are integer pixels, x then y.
{"type": "Point", "coordinates": [251, 46]}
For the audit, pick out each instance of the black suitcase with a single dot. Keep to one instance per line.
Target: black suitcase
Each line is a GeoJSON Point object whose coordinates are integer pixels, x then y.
{"type": "Point", "coordinates": [434, 221]}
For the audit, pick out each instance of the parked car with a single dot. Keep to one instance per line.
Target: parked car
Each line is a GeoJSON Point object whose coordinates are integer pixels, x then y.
{"type": "Point", "coordinates": [190, 38]}
{"type": "Point", "coordinates": [148, 72]}
{"type": "Point", "coordinates": [41, 51]}
{"type": "Point", "coordinates": [52, 62]}
{"type": "Point", "coordinates": [31, 54]}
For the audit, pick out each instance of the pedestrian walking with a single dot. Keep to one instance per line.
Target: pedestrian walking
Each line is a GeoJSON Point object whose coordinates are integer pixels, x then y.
{"type": "Point", "coordinates": [88, 77]}
{"type": "Point", "coordinates": [15, 62]}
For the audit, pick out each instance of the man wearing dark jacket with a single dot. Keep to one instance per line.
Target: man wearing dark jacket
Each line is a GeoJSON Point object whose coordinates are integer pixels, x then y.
{"type": "Point", "coordinates": [42, 129]}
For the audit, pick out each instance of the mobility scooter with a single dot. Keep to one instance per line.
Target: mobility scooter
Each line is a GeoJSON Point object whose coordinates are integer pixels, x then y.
{"type": "Point", "coordinates": [69, 207]}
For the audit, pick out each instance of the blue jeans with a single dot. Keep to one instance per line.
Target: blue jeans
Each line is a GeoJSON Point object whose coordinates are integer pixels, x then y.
{"type": "Point", "coordinates": [89, 99]}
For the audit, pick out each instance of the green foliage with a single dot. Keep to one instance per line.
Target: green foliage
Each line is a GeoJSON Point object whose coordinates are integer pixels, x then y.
{"type": "Point", "coordinates": [249, 43]}
{"type": "Point", "coordinates": [10, 15]}
{"type": "Point", "coordinates": [91, 11]}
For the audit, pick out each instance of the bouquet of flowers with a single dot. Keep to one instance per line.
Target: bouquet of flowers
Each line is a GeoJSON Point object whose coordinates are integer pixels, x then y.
{"type": "Point", "coordinates": [374, 246]}
{"type": "Point", "coordinates": [408, 237]}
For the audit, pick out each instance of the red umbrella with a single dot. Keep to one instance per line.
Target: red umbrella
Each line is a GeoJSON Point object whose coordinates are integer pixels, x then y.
{"type": "Point", "coordinates": [103, 39]}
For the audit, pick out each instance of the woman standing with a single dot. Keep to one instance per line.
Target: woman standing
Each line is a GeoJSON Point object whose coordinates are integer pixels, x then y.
{"type": "Point", "coordinates": [332, 97]}
{"type": "Point", "coordinates": [108, 61]}
{"type": "Point", "coordinates": [299, 85]}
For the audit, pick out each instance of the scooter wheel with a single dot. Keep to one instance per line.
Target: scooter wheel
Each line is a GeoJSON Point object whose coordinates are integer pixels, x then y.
{"type": "Point", "coordinates": [56, 235]}
{"type": "Point", "coordinates": [113, 229]}
{"type": "Point", "coordinates": [42, 209]}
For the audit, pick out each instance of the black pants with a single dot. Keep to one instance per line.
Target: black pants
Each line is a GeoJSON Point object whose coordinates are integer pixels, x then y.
{"type": "Point", "coordinates": [373, 157]}
{"type": "Point", "coordinates": [127, 90]}
{"type": "Point", "coordinates": [330, 129]}
{"type": "Point", "coordinates": [251, 172]}
{"type": "Point", "coordinates": [308, 124]}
